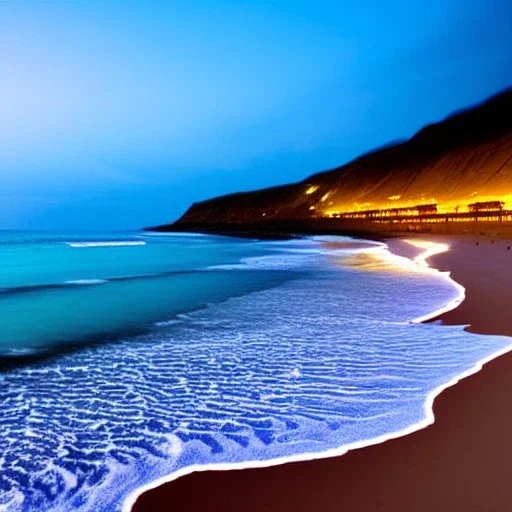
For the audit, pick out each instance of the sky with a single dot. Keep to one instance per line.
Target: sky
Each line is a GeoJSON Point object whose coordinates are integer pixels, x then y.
{"type": "Point", "coordinates": [120, 114]}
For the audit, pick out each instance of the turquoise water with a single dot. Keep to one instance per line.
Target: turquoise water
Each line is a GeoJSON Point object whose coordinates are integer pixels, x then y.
{"type": "Point", "coordinates": [58, 289]}
{"type": "Point", "coordinates": [159, 354]}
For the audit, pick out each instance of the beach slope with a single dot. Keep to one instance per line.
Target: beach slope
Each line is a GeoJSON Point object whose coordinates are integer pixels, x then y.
{"type": "Point", "coordinates": [460, 463]}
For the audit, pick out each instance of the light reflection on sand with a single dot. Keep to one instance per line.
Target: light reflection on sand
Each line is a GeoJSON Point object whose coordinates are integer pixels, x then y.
{"type": "Point", "coordinates": [380, 259]}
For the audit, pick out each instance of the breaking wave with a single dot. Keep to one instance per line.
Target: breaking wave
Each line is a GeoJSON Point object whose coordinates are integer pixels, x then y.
{"type": "Point", "coordinates": [121, 243]}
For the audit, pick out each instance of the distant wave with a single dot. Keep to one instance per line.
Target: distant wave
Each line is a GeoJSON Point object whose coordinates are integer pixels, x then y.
{"type": "Point", "coordinates": [114, 243]}
{"type": "Point", "coordinates": [167, 323]}
{"type": "Point", "coordinates": [86, 282]}
{"type": "Point", "coordinates": [29, 288]}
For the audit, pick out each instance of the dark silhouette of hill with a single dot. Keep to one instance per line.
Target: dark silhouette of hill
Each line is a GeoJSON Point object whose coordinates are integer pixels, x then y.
{"type": "Point", "coordinates": [468, 155]}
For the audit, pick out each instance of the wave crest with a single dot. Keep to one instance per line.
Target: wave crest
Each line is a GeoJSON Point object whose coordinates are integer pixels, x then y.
{"type": "Point", "coordinates": [116, 243]}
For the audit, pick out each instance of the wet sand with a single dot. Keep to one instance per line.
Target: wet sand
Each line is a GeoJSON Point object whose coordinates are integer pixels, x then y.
{"type": "Point", "coordinates": [463, 462]}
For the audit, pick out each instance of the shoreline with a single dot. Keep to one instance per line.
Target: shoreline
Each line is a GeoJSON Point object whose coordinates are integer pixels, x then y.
{"type": "Point", "coordinates": [393, 246]}
{"type": "Point", "coordinates": [358, 228]}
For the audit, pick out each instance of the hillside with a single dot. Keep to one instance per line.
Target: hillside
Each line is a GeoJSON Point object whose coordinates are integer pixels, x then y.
{"type": "Point", "coordinates": [466, 157]}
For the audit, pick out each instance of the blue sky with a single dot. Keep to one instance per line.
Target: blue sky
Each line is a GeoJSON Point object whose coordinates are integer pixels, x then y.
{"type": "Point", "coordinates": [119, 114]}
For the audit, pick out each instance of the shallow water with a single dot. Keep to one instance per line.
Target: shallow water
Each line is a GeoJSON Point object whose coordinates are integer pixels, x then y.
{"type": "Point", "coordinates": [61, 290]}
{"type": "Point", "coordinates": [263, 350]}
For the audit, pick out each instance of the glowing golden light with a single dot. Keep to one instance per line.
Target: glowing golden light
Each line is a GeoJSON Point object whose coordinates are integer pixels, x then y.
{"type": "Point", "coordinates": [311, 190]}
{"type": "Point", "coordinates": [380, 258]}
{"type": "Point", "coordinates": [429, 249]}
{"type": "Point", "coordinates": [453, 206]}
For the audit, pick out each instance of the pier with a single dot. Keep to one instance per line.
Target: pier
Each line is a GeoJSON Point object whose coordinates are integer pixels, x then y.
{"type": "Point", "coordinates": [428, 213]}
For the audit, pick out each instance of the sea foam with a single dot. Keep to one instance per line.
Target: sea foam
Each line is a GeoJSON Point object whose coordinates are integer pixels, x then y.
{"type": "Point", "coordinates": [86, 282]}
{"type": "Point", "coordinates": [120, 243]}
{"type": "Point", "coordinates": [321, 364]}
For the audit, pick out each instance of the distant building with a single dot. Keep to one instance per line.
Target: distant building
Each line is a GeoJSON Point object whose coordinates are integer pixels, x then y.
{"type": "Point", "coordinates": [418, 210]}
{"type": "Point", "coordinates": [486, 206]}
{"type": "Point", "coordinates": [425, 209]}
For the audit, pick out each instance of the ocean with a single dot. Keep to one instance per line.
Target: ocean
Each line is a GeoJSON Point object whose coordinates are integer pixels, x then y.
{"type": "Point", "coordinates": [128, 359]}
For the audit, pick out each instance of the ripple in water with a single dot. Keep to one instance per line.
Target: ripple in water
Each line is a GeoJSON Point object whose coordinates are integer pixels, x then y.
{"type": "Point", "coordinates": [319, 363]}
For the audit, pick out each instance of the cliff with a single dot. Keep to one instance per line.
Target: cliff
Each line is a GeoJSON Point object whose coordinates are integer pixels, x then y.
{"type": "Point", "coordinates": [464, 158]}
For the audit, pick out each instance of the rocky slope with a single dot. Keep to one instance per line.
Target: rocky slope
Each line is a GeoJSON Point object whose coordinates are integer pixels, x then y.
{"type": "Point", "coordinates": [465, 158]}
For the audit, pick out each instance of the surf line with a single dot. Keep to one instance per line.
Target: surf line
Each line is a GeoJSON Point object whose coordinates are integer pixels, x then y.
{"type": "Point", "coordinates": [121, 243]}
{"type": "Point", "coordinates": [420, 263]}
{"type": "Point", "coordinates": [431, 249]}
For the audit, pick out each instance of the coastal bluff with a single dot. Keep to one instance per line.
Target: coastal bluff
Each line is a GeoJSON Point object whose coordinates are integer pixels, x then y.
{"type": "Point", "coordinates": [466, 157]}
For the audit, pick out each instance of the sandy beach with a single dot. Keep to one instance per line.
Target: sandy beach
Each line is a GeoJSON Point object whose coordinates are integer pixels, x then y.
{"type": "Point", "coordinates": [460, 463]}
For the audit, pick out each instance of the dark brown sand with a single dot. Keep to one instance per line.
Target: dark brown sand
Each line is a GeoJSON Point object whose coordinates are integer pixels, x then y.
{"type": "Point", "coordinates": [461, 463]}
